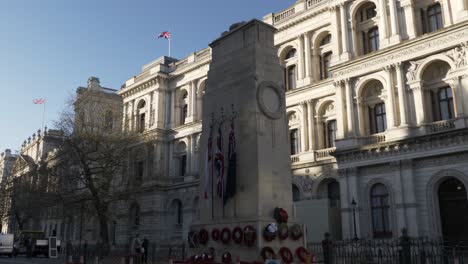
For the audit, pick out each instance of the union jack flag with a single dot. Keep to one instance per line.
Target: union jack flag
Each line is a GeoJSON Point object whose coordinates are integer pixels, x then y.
{"type": "Point", "coordinates": [219, 164]}
{"type": "Point", "coordinates": [165, 34]}
{"type": "Point", "coordinates": [39, 101]}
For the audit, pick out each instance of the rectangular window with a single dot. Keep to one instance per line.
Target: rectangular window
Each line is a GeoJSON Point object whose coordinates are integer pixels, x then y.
{"type": "Point", "coordinates": [331, 133]}
{"type": "Point", "coordinates": [141, 123]}
{"type": "Point", "coordinates": [445, 103]}
{"type": "Point", "coordinates": [434, 18]}
{"type": "Point", "coordinates": [291, 73]}
{"type": "Point", "coordinates": [183, 165]}
{"type": "Point", "coordinates": [380, 118]}
{"type": "Point", "coordinates": [140, 169]}
{"type": "Point", "coordinates": [294, 141]}
{"type": "Point", "coordinates": [325, 66]}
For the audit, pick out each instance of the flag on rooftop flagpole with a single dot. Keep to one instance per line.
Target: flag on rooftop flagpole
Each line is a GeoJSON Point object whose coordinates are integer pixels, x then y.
{"type": "Point", "coordinates": [165, 34]}
{"type": "Point", "coordinates": [39, 101]}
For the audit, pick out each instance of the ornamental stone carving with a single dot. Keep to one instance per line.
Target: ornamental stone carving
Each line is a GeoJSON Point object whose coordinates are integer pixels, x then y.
{"type": "Point", "coordinates": [304, 183]}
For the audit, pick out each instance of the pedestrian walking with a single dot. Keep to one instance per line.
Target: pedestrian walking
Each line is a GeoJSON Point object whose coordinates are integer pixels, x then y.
{"type": "Point", "coordinates": [145, 246]}
{"type": "Point", "coordinates": [137, 249]}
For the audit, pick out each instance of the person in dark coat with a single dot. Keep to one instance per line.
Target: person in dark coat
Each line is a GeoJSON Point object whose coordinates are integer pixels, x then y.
{"type": "Point", "coordinates": [145, 246]}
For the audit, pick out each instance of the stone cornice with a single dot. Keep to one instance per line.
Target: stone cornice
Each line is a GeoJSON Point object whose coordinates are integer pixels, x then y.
{"type": "Point", "coordinates": [410, 50]}
{"type": "Point", "coordinates": [191, 66]}
{"type": "Point", "coordinates": [141, 86]}
{"type": "Point", "coordinates": [423, 146]}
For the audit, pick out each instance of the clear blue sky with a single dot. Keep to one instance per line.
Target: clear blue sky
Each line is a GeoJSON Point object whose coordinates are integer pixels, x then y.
{"type": "Point", "coordinates": [50, 47]}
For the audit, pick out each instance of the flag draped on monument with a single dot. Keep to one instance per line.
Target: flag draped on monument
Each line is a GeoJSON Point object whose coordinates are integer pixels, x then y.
{"type": "Point", "coordinates": [208, 165]}
{"type": "Point", "coordinates": [219, 163]}
{"type": "Point", "coordinates": [231, 174]}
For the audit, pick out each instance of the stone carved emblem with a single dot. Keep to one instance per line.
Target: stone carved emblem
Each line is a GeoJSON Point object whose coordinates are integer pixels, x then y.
{"type": "Point", "coordinates": [270, 99]}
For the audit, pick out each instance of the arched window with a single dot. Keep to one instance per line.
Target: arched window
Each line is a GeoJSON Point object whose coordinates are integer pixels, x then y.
{"type": "Point", "coordinates": [141, 116]}
{"type": "Point", "coordinates": [378, 119]}
{"type": "Point", "coordinates": [291, 54]}
{"type": "Point", "coordinates": [294, 141]}
{"type": "Point", "coordinates": [367, 12]}
{"type": "Point", "coordinates": [453, 204]}
{"type": "Point", "coordinates": [296, 193]}
{"type": "Point", "coordinates": [438, 98]}
{"type": "Point", "coordinates": [180, 156]}
{"type": "Point", "coordinates": [326, 40]}
{"type": "Point", "coordinates": [184, 108]}
{"type": "Point", "coordinates": [183, 165]}
{"type": "Point", "coordinates": [380, 211]}
{"type": "Point", "coordinates": [291, 77]}
{"type": "Point", "coordinates": [366, 30]}
{"type": "Point", "coordinates": [139, 171]}
{"type": "Point", "coordinates": [330, 136]}
{"type": "Point", "coordinates": [432, 18]}
{"type": "Point", "coordinates": [325, 65]}
{"type": "Point", "coordinates": [333, 192]}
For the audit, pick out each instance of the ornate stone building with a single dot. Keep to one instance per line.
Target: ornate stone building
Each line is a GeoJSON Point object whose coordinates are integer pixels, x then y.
{"type": "Point", "coordinates": [376, 97]}
{"type": "Point", "coordinates": [377, 101]}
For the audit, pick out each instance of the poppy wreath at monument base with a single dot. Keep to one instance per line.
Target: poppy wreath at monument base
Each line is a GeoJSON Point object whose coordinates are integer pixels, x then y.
{"type": "Point", "coordinates": [268, 253]}
{"type": "Point", "coordinates": [226, 258]}
{"type": "Point", "coordinates": [286, 255]}
{"type": "Point", "coordinates": [215, 234]}
{"type": "Point", "coordinates": [283, 231]}
{"type": "Point", "coordinates": [225, 235]}
{"type": "Point", "coordinates": [295, 232]}
{"type": "Point", "coordinates": [270, 231]}
{"type": "Point", "coordinates": [301, 254]}
{"type": "Point", "coordinates": [237, 235]}
{"type": "Point", "coordinates": [280, 215]}
{"type": "Point", "coordinates": [250, 235]}
{"type": "Point", "coordinates": [203, 236]}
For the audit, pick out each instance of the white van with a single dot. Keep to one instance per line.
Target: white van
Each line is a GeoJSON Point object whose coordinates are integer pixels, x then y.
{"type": "Point", "coordinates": [6, 244]}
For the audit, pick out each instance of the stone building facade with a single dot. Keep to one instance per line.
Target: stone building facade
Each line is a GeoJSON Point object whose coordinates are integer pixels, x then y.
{"type": "Point", "coordinates": [377, 102]}
{"type": "Point", "coordinates": [376, 97]}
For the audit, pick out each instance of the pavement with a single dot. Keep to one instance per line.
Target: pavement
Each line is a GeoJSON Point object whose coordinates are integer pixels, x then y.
{"type": "Point", "coordinates": [24, 260]}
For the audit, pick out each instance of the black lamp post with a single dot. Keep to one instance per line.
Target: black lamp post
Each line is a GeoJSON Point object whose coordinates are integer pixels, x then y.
{"type": "Point", "coordinates": [354, 206]}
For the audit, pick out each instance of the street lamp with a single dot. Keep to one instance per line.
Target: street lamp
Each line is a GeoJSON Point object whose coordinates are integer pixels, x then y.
{"type": "Point", "coordinates": [354, 206]}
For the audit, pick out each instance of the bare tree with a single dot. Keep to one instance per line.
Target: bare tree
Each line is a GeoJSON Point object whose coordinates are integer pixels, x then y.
{"type": "Point", "coordinates": [89, 162]}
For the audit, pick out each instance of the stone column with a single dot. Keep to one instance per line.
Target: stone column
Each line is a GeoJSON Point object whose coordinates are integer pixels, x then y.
{"type": "Point", "coordinates": [345, 55]}
{"type": "Point", "coordinates": [394, 22]}
{"type": "Point", "coordinates": [188, 162]}
{"type": "Point", "coordinates": [300, 67]}
{"type": "Point", "coordinates": [304, 127]}
{"type": "Point", "coordinates": [361, 117]}
{"type": "Point", "coordinates": [383, 23]}
{"type": "Point", "coordinates": [336, 39]}
{"type": "Point", "coordinates": [194, 155]}
{"type": "Point", "coordinates": [173, 108]}
{"type": "Point", "coordinates": [457, 94]}
{"type": "Point", "coordinates": [340, 110]}
{"type": "Point", "coordinates": [390, 102]}
{"type": "Point", "coordinates": [193, 101]}
{"type": "Point", "coordinates": [447, 14]}
{"type": "Point", "coordinates": [124, 117]}
{"type": "Point", "coordinates": [399, 199]}
{"type": "Point", "coordinates": [311, 123]}
{"type": "Point", "coordinates": [355, 193]}
{"type": "Point", "coordinates": [307, 55]}
{"type": "Point", "coordinates": [419, 102]}
{"type": "Point", "coordinates": [410, 21]}
{"type": "Point", "coordinates": [402, 101]}
{"type": "Point", "coordinates": [172, 171]}
{"type": "Point", "coordinates": [132, 116]}
{"type": "Point", "coordinates": [349, 108]}
{"type": "Point", "coordinates": [409, 197]}
{"type": "Point", "coordinates": [320, 136]}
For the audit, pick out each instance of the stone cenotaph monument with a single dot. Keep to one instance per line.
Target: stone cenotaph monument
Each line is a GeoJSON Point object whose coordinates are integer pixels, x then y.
{"type": "Point", "coordinates": [245, 84]}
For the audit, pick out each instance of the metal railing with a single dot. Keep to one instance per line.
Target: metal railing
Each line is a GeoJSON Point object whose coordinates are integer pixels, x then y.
{"type": "Point", "coordinates": [404, 250]}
